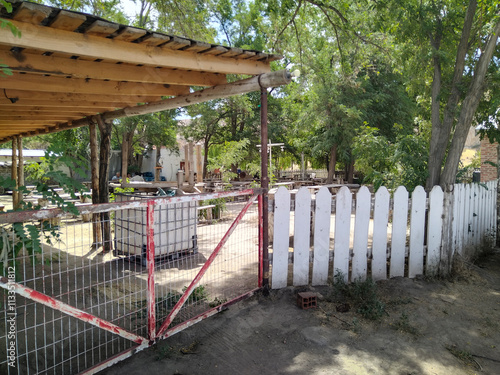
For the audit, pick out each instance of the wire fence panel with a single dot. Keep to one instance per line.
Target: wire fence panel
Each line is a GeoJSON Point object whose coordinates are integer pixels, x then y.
{"type": "Point", "coordinates": [70, 306]}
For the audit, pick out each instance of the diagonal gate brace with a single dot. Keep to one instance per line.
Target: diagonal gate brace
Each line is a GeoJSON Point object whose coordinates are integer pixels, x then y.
{"type": "Point", "coordinates": [171, 316]}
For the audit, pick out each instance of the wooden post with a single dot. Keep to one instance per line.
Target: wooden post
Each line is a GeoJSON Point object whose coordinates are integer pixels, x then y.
{"type": "Point", "coordinates": [20, 169]}
{"type": "Point", "coordinates": [105, 149]}
{"type": "Point", "coordinates": [94, 168]}
{"type": "Point", "coordinates": [191, 163]}
{"type": "Point", "coordinates": [186, 161]}
{"type": "Point", "coordinates": [446, 256]}
{"type": "Point", "coordinates": [124, 157]}
{"type": "Point", "coordinates": [199, 165]}
{"type": "Point", "coordinates": [15, 195]}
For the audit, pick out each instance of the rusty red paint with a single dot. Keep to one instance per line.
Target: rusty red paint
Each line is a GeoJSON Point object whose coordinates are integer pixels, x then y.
{"type": "Point", "coordinates": [22, 216]}
{"type": "Point", "coordinates": [70, 310]}
{"type": "Point", "coordinates": [203, 269]}
{"type": "Point", "coordinates": [261, 240]}
{"type": "Point", "coordinates": [150, 258]}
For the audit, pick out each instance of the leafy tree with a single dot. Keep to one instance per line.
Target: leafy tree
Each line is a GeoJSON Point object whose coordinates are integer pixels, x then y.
{"type": "Point", "coordinates": [391, 164]}
{"type": "Point", "coordinates": [448, 47]}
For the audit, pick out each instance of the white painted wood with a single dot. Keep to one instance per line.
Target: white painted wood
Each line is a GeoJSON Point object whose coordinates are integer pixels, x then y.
{"type": "Point", "coordinates": [281, 238]}
{"type": "Point", "coordinates": [399, 229]}
{"type": "Point", "coordinates": [475, 207]}
{"type": "Point", "coordinates": [342, 232]}
{"type": "Point", "coordinates": [360, 243]}
{"type": "Point", "coordinates": [459, 193]}
{"type": "Point", "coordinates": [321, 250]}
{"type": "Point", "coordinates": [417, 224]}
{"type": "Point", "coordinates": [380, 222]}
{"type": "Point", "coordinates": [302, 237]}
{"type": "Point", "coordinates": [456, 209]}
{"type": "Point", "coordinates": [495, 212]}
{"type": "Point", "coordinates": [482, 213]}
{"type": "Point", "coordinates": [467, 222]}
{"type": "Point", "coordinates": [434, 230]}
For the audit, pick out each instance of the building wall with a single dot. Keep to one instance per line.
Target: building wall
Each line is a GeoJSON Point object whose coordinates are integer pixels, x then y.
{"type": "Point", "coordinates": [489, 152]}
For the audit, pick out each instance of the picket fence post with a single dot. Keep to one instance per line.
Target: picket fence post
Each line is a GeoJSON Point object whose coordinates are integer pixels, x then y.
{"type": "Point", "coordinates": [322, 218]}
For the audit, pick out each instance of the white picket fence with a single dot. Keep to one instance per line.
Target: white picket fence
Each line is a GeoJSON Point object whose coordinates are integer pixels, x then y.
{"type": "Point", "coordinates": [376, 235]}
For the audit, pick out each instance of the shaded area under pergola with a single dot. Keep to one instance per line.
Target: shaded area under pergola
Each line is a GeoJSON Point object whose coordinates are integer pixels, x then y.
{"type": "Point", "coordinates": [72, 69]}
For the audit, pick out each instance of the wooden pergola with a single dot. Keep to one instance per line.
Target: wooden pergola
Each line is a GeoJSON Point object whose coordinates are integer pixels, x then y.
{"type": "Point", "coordinates": [72, 69]}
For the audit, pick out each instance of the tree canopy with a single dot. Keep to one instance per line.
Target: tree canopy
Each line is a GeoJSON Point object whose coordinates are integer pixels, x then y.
{"type": "Point", "coordinates": [398, 80]}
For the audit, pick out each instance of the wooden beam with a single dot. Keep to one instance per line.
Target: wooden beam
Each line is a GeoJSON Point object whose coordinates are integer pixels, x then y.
{"type": "Point", "coordinates": [272, 79]}
{"type": "Point", "coordinates": [50, 39]}
{"type": "Point", "coordinates": [28, 117]}
{"type": "Point", "coordinates": [82, 86]}
{"type": "Point", "coordinates": [64, 67]}
{"type": "Point", "coordinates": [68, 21]}
{"type": "Point", "coordinates": [32, 13]}
{"type": "Point", "coordinates": [26, 104]}
{"type": "Point", "coordinates": [53, 109]}
{"type": "Point", "coordinates": [26, 123]}
{"type": "Point", "coordinates": [69, 97]}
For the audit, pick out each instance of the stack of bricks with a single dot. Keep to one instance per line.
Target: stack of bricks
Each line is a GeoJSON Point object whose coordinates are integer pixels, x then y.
{"type": "Point", "coordinates": [489, 152]}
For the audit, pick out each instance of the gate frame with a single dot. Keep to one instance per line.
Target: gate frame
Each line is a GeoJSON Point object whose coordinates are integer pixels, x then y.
{"type": "Point", "coordinates": [163, 332]}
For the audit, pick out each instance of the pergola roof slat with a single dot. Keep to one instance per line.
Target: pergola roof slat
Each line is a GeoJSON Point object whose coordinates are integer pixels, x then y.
{"type": "Point", "coordinates": [68, 66]}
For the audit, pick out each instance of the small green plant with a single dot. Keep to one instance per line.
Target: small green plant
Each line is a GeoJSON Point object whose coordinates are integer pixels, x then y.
{"type": "Point", "coordinates": [403, 324]}
{"type": "Point", "coordinates": [217, 302]}
{"type": "Point", "coordinates": [361, 294]}
{"type": "Point", "coordinates": [466, 357]}
{"type": "Point", "coordinates": [199, 294]}
{"type": "Point", "coordinates": [220, 207]}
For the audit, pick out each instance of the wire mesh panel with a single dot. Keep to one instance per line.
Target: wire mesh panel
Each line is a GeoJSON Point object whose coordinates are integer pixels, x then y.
{"type": "Point", "coordinates": [233, 272]}
{"type": "Point", "coordinates": [75, 288]}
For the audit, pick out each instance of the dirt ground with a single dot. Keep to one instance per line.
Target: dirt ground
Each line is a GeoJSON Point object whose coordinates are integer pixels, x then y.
{"type": "Point", "coordinates": [427, 327]}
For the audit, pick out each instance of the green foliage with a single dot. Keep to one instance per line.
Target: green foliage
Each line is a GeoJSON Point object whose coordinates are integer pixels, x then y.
{"type": "Point", "coordinates": [465, 172]}
{"type": "Point", "coordinates": [29, 237]}
{"type": "Point", "coordinates": [220, 207]}
{"type": "Point", "coordinates": [403, 325]}
{"type": "Point", "coordinates": [362, 294]}
{"type": "Point", "coordinates": [383, 163]}
{"type": "Point", "coordinates": [230, 155]}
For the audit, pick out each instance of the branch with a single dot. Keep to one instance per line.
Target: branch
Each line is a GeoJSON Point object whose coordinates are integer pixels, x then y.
{"type": "Point", "coordinates": [298, 41]}
{"type": "Point", "coordinates": [288, 24]}
{"type": "Point", "coordinates": [323, 5]}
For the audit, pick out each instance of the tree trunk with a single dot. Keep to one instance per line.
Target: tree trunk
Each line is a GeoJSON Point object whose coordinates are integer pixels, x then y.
{"type": "Point", "coordinates": [124, 157]}
{"type": "Point", "coordinates": [468, 110]}
{"type": "Point", "coordinates": [441, 131]}
{"type": "Point", "coordinates": [435, 157]}
{"type": "Point", "coordinates": [331, 164]}
{"type": "Point", "coordinates": [94, 168]}
{"type": "Point", "coordinates": [105, 149]}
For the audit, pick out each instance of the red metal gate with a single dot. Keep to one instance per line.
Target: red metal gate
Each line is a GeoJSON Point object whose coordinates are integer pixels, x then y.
{"type": "Point", "coordinates": [69, 308]}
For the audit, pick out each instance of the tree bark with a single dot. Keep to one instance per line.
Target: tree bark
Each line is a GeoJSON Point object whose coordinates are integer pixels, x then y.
{"type": "Point", "coordinates": [441, 131]}
{"type": "Point", "coordinates": [105, 149]}
{"type": "Point", "coordinates": [94, 170]}
{"type": "Point", "coordinates": [331, 164]}
{"type": "Point", "coordinates": [468, 109]}
{"type": "Point", "coordinates": [436, 131]}
{"type": "Point", "coordinates": [124, 156]}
